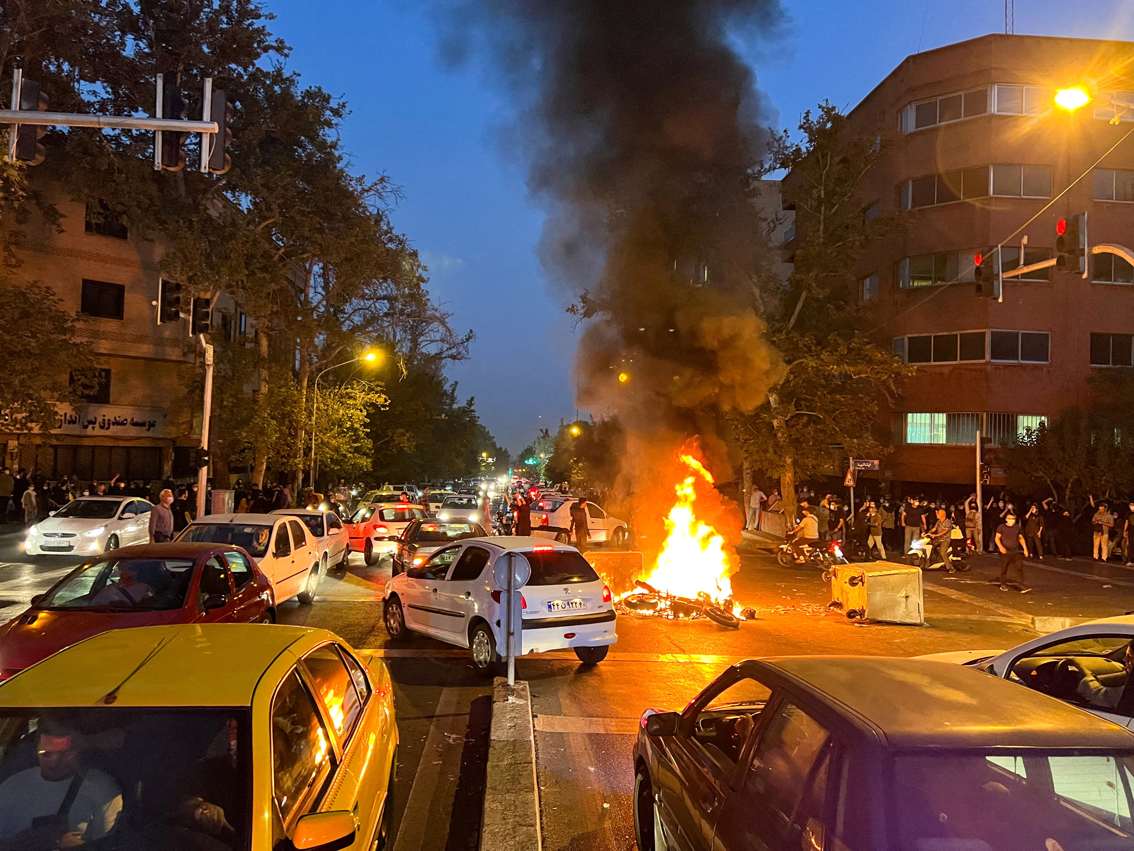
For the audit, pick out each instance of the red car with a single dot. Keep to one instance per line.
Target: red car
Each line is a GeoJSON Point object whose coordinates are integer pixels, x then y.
{"type": "Point", "coordinates": [375, 528]}
{"type": "Point", "coordinates": [146, 585]}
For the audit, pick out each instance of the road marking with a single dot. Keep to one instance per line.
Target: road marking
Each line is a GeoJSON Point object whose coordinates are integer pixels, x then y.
{"type": "Point", "coordinates": [562, 656]}
{"type": "Point", "coordinates": [1014, 615]}
{"type": "Point", "coordinates": [576, 724]}
{"type": "Point", "coordinates": [1125, 583]}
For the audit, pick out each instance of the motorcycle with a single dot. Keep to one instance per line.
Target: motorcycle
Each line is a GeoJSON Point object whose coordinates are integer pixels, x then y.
{"type": "Point", "coordinates": [821, 557]}
{"type": "Point", "coordinates": [924, 555]}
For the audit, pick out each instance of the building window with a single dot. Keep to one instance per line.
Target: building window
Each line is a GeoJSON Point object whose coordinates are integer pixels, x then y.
{"type": "Point", "coordinates": [1020, 346]}
{"type": "Point", "coordinates": [926, 270]}
{"type": "Point", "coordinates": [100, 393]}
{"type": "Point", "coordinates": [1111, 269]}
{"type": "Point", "coordinates": [943, 110]}
{"type": "Point", "coordinates": [102, 299]}
{"type": "Point", "coordinates": [1006, 429]}
{"type": "Point", "coordinates": [227, 327]}
{"type": "Point", "coordinates": [1010, 259]}
{"type": "Point", "coordinates": [1021, 181]}
{"type": "Point", "coordinates": [925, 428]}
{"type": "Point", "coordinates": [1013, 99]}
{"type": "Point", "coordinates": [962, 347]}
{"type": "Point", "coordinates": [944, 188]}
{"type": "Point", "coordinates": [101, 220]}
{"type": "Point", "coordinates": [1112, 184]}
{"type": "Point", "coordinates": [868, 288]}
{"type": "Point", "coordinates": [899, 348]}
{"type": "Point", "coordinates": [959, 429]}
{"type": "Point", "coordinates": [1111, 350]}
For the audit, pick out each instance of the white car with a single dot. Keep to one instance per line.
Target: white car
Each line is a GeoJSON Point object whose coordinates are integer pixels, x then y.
{"type": "Point", "coordinates": [91, 525]}
{"type": "Point", "coordinates": [460, 508]}
{"type": "Point", "coordinates": [437, 499]}
{"type": "Point", "coordinates": [330, 536]}
{"type": "Point", "coordinates": [412, 490]}
{"type": "Point", "coordinates": [1048, 663]}
{"type": "Point", "coordinates": [453, 597]}
{"type": "Point", "coordinates": [281, 547]}
{"type": "Point", "coordinates": [551, 516]}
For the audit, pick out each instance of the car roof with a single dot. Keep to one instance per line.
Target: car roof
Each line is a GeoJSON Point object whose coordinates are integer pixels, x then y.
{"type": "Point", "coordinates": [238, 518]}
{"type": "Point", "coordinates": [180, 665]}
{"type": "Point", "coordinates": [174, 549]}
{"type": "Point", "coordinates": [918, 703]}
{"type": "Point", "coordinates": [300, 512]}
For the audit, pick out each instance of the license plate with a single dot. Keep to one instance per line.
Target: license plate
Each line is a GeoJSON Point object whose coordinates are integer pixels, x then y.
{"type": "Point", "coordinates": [63, 548]}
{"type": "Point", "coordinates": [565, 605]}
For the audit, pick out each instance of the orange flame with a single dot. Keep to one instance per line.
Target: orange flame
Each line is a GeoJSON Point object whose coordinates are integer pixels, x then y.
{"type": "Point", "coordinates": [694, 559]}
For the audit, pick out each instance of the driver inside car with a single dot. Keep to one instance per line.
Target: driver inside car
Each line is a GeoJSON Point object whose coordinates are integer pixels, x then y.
{"type": "Point", "coordinates": [126, 587]}
{"type": "Point", "coordinates": [1105, 696]}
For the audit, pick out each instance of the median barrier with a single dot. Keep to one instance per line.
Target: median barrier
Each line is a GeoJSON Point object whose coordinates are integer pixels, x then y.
{"type": "Point", "coordinates": [510, 821]}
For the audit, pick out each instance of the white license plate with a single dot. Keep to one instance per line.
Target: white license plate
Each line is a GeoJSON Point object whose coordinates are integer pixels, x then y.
{"type": "Point", "coordinates": [565, 605]}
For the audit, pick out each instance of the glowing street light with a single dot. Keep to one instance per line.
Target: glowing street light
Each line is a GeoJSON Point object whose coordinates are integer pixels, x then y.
{"type": "Point", "coordinates": [1072, 98]}
{"type": "Point", "coordinates": [623, 378]}
{"type": "Point", "coordinates": [369, 357]}
{"type": "Point", "coordinates": [574, 430]}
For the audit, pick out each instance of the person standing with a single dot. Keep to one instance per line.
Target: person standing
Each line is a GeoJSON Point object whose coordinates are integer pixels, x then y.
{"type": "Point", "coordinates": [755, 504]}
{"type": "Point", "coordinates": [1128, 537]}
{"type": "Point", "coordinates": [29, 502]}
{"type": "Point", "coordinates": [874, 530]}
{"type": "Point", "coordinates": [180, 509]}
{"type": "Point", "coordinates": [161, 518]}
{"type": "Point", "coordinates": [579, 524]}
{"type": "Point", "coordinates": [1013, 549]}
{"type": "Point", "coordinates": [972, 520]}
{"type": "Point", "coordinates": [1101, 524]}
{"type": "Point", "coordinates": [1064, 534]}
{"type": "Point", "coordinates": [7, 483]}
{"type": "Point", "coordinates": [889, 522]}
{"type": "Point", "coordinates": [19, 485]}
{"type": "Point", "coordinates": [1033, 531]}
{"type": "Point", "coordinates": [911, 523]}
{"type": "Point", "coordinates": [521, 515]}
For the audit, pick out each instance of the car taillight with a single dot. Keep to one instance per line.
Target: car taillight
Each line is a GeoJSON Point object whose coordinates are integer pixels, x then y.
{"type": "Point", "coordinates": [606, 595]}
{"type": "Point", "coordinates": [381, 530]}
{"type": "Point", "coordinates": [545, 520]}
{"type": "Point", "coordinates": [497, 596]}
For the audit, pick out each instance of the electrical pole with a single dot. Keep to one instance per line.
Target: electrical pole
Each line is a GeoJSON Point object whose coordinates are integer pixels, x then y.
{"type": "Point", "coordinates": [979, 498]}
{"type": "Point", "coordinates": [206, 414]}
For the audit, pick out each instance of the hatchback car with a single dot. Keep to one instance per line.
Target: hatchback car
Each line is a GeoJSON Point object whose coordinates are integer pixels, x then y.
{"type": "Point", "coordinates": [461, 508]}
{"type": "Point", "coordinates": [375, 528]}
{"type": "Point", "coordinates": [329, 533]}
{"type": "Point", "coordinates": [91, 525]}
{"type": "Point", "coordinates": [422, 538]}
{"type": "Point", "coordinates": [877, 754]}
{"type": "Point", "coordinates": [281, 547]}
{"type": "Point", "coordinates": [143, 585]}
{"type": "Point", "coordinates": [219, 736]}
{"type": "Point", "coordinates": [453, 597]}
{"type": "Point", "coordinates": [551, 515]}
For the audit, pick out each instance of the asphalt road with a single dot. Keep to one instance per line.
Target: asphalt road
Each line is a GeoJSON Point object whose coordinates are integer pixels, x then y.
{"type": "Point", "coordinates": [585, 719]}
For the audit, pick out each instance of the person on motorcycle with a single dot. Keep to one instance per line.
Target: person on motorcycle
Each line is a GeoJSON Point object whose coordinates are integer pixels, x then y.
{"type": "Point", "coordinates": [939, 537]}
{"type": "Point", "coordinates": [805, 533]}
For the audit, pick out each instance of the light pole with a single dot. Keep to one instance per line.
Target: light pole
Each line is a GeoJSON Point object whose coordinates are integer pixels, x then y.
{"type": "Point", "coordinates": [369, 356]}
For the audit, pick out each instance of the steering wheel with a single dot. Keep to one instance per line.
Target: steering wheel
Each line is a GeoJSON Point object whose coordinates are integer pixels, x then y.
{"type": "Point", "coordinates": [1065, 678]}
{"type": "Point", "coordinates": [122, 591]}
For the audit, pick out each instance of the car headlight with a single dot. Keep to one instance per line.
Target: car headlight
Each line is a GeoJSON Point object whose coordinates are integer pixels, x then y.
{"type": "Point", "coordinates": [443, 516]}
{"type": "Point", "coordinates": [33, 531]}
{"type": "Point", "coordinates": [95, 532]}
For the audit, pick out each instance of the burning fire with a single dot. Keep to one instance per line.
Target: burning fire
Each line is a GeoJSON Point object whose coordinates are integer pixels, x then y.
{"type": "Point", "coordinates": [694, 560]}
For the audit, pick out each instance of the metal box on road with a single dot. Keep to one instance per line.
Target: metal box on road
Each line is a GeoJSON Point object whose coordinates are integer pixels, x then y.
{"type": "Point", "coordinates": [883, 591]}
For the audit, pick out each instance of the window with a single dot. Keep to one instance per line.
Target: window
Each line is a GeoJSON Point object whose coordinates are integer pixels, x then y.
{"type": "Point", "coordinates": [335, 689]}
{"type": "Point", "coordinates": [214, 580]}
{"type": "Point", "coordinates": [1010, 259]}
{"type": "Point", "coordinates": [283, 543]}
{"type": "Point", "coordinates": [239, 567]}
{"type": "Point", "coordinates": [594, 512]}
{"type": "Point", "coordinates": [1113, 185]}
{"type": "Point", "coordinates": [945, 187]}
{"type": "Point", "coordinates": [298, 536]}
{"type": "Point", "coordinates": [1020, 346]}
{"type": "Point", "coordinates": [140, 507]}
{"type": "Point", "coordinates": [925, 270]}
{"type": "Point", "coordinates": [899, 348]}
{"type": "Point", "coordinates": [971, 346]}
{"type": "Point", "coordinates": [1021, 181]}
{"type": "Point", "coordinates": [1020, 100]}
{"type": "Point", "coordinates": [1111, 269]}
{"type": "Point", "coordinates": [301, 752]}
{"type": "Point", "coordinates": [470, 565]}
{"type": "Point", "coordinates": [99, 393]}
{"type": "Point", "coordinates": [101, 220]}
{"type": "Point", "coordinates": [789, 749]}
{"type": "Point", "coordinates": [102, 299]}
{"type": "Point", "coordinates": [333, 521]}
{"type": "Point", "coordinates": [942, 348]}
{"type": "Point", "coordinates": [361, 683]}
{"type": "Point", "coordinates": [868, 288]}
{"type": "Point", "coordinates": [943, 110]}
{"type": "Point", "coordinates": [1006, 429]}
{"type": "Point", "coordinates": [436, 567]}
{"type": "Point", "coordinates": [925, 428]}
{"type": "Point", "coordinates": [242, 323]}
{"type": "Point", "coordinates": [1111, 350]}
{"type": "Point", "coordinates": [724, 723]}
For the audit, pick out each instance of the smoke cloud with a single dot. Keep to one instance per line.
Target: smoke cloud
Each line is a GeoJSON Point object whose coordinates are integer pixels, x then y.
{"type": "Point", "coordinates": [640, 127]}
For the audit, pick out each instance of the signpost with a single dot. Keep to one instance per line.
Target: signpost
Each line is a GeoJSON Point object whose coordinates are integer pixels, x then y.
{"type": "Point", "coordinates": [511, 574]}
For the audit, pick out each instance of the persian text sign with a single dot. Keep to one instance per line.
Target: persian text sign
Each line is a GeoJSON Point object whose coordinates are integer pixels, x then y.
{"type": "Point", "coordinates": [119, 420]}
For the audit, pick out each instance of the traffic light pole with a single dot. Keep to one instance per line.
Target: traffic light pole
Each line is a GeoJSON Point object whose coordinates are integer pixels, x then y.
{"type": "Point", "coordinates": [979, 498]}
{"type": "Point", "coordinates": [207, 412]}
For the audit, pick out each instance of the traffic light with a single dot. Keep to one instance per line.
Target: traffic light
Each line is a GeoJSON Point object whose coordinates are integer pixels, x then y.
{"type": "Point", "coordinates": [29, 149]}
{"type": "Point", "coordinates": [222, 112]}
{"type": "Point", "coordinates": [172, 142]}
{"type": "Point", "coordinates": [1071, 243]}
{"type": "Point", "coordinates": [982, 273]}
{"type": "Point", "coordinates": [169, 301]}
{"type": "Point", "coordinates": [202, 316]}
{"type": "Point", "coordinates": [201, 457]}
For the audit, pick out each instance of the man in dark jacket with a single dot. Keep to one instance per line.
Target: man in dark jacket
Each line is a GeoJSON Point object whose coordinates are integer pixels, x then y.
{"type": "Point", "coordinates": [579, 523]}
{"type": "Point", "coordinates": [521, 516]}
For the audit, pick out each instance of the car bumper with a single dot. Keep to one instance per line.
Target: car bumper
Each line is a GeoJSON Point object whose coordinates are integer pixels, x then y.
{"type": "Point", "coordinates": [564, 633]}
{"type": "Point", "coordinates": [81, 547]}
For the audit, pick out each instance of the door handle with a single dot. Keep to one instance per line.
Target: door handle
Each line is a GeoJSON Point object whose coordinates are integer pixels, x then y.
{"type": "Point", "coordinates": [468, 595]}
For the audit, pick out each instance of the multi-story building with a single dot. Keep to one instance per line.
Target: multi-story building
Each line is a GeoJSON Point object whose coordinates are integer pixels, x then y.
{"type": "Point", "coordinates": [144, 419]}
{"type": "Point", "coordinates": [974, 154]}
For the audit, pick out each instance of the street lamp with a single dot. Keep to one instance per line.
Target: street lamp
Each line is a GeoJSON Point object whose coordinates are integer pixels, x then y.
{"type": "Point", "coordinates": [574, 430]}
{"type": "Point", "coordinates": [623, 378]}
{"type": "Point", "coordinates": [1072, 98]}
{"type": "Point", "coordinates": [370, 356]}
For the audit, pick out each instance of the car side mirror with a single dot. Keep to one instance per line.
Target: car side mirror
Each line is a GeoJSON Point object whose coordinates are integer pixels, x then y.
{"type": "Point", "coordinates": [128, 515]}
{"type": "Point", "coordinates": [325, 831]}
{"type": "Point", "coordinates": [663, 724]}
{"type": "Point", "coordinates": [37, 599]}
{"type": "Point", "coordinates": [216, 601]}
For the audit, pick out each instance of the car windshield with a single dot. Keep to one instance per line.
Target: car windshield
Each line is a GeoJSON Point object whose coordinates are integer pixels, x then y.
{"type": "Point", "coordinates": [432, 533]}
{"type": "Point", "coordinates": [253, 537]}
{"type": "Point", "coordinates": [163, 765]}
{"type": "Point", "coordinates": [141, 584]}
{"type": "Point", "coordinates": [1027, 800]}
{"type": "Point", "coordinates": [89, 509]}
{"type": "Point", "coordinates": [559, 567]}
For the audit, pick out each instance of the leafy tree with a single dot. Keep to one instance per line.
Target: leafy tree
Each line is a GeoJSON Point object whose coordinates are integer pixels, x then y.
{"type": "Point", "coordinates": [541, 450]}
{"type": "Point", "coordinates": [587, 455]}
{"type": "Point", "coordinates": [344, 444]}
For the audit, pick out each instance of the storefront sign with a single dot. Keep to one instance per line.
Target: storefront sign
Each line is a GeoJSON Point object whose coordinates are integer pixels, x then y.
{"type": "Point", "coordinates": [121, 420]}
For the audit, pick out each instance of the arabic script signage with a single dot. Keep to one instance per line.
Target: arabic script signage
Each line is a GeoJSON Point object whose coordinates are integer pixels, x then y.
{"type": "Point", "coordinates": [121, 420]}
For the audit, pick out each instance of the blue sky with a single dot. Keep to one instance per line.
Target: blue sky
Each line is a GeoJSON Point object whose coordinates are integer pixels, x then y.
{"type": "Point", "coordinates": [464, 205]}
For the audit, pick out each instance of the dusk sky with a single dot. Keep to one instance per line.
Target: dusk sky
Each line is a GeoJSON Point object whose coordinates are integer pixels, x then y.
{"type": "Point", "coordinates": [435, 131]}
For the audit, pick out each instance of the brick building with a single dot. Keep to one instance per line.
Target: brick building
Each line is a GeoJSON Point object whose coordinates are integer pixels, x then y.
{"type": "Point", "coordinates": [973, 148]}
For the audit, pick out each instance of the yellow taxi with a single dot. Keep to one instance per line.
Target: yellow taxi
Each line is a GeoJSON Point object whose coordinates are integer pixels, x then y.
{"type": "Point", "coordinates": [199, 736]}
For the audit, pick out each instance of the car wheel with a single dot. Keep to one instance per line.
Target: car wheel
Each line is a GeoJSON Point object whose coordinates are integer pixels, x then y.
{"type": "Point", "coordinates": [563, 537]}
{"type": "Point", "coordinates": [394, 618]}
{"type": "Point", "coordinates": [307, 595]}
{"type": "Point", "coordinates": [482, 646]}
{"type": "Point", "coordinates": [644, 811]}
{"type": "Point", "coordinates": [785, 558]}
{"type": "Point", "coordinates": [368, 553]}
{"type": "Point", "coordinates": [592, 655]}
{"type": "Point", "coordinates": [344, 563]}
{"type": "Point", "coordinates": [111, 543]}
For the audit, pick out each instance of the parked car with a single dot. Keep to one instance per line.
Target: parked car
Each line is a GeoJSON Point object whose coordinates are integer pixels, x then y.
{"type": "Point", "coordinates": [1054, 664]}
{"type": "Point", "coordinates": [453, 598]}
{"type": "Point", "coordinates": [141, 585]}
{"type": "Point", "coordinates": [374, 529]}
{"type": "Point", "coordinates": [421, 538]}
{"type": "Point", "coordinates": [280, 546]}
{"type": "Point", "coordinates": [91, 525]}
{"type": "Point", "coordinates": [551, 516]}
{"type": "Point", "coordinates": [878, 754]}
{"type": "Point", "coordinates": [330, 535]}
{"type": "Point", "coordinates": [461, 508]}
{"type": "Point", "coordinates": [207, 736]}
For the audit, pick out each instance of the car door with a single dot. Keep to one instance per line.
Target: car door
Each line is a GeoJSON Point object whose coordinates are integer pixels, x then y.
{"type": "Point", "coordinates": [279, 565]}
{"type": "Point", "coordinates": [596, 523]}
{"type": "Point", "coordinates": [697, 769]}
{"type": "Point", "coordinates": [304, 555]}
{"type": "Point", "coordinates": [457, 596]}
{"type": "Point", "coordinates": [140, 530]}
{"type": "Point", "coordinates": [215, 586]}
{"type": "Point", "coordinates": [247, 603]}
{"type": "Point", "coordinates": [125, 524]}
{"type": "Point", "coordinates": [336, 536]}
{"type": "Point", "coordinates": [418, 587]}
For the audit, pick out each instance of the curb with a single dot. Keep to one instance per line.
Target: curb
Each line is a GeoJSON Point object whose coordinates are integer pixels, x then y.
{"type": "Point", "coordinates": [511, 817]}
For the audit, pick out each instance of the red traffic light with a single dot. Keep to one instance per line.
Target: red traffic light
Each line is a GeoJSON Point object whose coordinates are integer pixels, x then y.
{"type": "Point", "coordinates": [1061, 227]}
{"type": "Point", "coordinates": [978, 259]}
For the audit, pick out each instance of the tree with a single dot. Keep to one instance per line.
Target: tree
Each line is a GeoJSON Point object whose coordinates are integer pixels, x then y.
{"type": "Point", "coordinates": [587, 455]}
{"type": "Point", "coordinates": [533, 458]}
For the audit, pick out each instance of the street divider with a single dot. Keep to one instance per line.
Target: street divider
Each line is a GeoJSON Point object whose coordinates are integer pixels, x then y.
{"type": "Point", "coordinates": [511, 820]}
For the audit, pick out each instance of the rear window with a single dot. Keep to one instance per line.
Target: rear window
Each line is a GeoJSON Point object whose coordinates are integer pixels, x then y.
{"type": "Point", "coordinates": [397, 515]}
{"type": "Point", "coordinates": [432, 533]}
{"type": "Point", "coordinates": [559, 567]}
{"type": "Point", "coordinates": [549, 504]}
{"type": "Point", "coordinates": [460, 502]}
